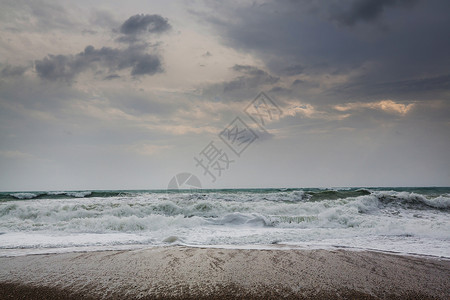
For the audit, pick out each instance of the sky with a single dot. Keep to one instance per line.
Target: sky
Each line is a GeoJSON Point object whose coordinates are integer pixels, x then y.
{"type": "Point", "coordinates": [240, 94]}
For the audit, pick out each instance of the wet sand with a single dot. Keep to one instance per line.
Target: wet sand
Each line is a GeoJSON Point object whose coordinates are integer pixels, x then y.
{"type": "Point", "coordinates": [205, 273]}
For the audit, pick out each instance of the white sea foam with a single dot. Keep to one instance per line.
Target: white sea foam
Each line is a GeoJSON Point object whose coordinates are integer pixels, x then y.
{"type": "Point", "coordinates": [406, 222]}
{"type": "Point", "coordinates": [438, 202]}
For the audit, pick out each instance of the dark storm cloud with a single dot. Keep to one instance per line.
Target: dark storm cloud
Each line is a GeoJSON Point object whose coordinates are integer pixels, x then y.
{"type": "Point", "coordinates": [11, 71]}
{"type": "Point", "coordinates": [425, 88]}
{"type": "Point", "coordinates": [302, 38]}
{"type": "Point", "coordinates": [144, 23]}
{"type": "Point", "coordinates": [367, 10]}
{"type": "Point", "coordinates": [66, 67]}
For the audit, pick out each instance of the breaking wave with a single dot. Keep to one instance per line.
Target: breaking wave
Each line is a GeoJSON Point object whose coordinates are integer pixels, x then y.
{"type": "Point", "coordinates": [223, 217]}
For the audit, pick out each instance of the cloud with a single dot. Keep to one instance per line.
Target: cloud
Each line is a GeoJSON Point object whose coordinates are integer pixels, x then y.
{"type": "Point", "coordinates": [253, 77]}
{"type": "Point", "coordinates": [332, 64]}
{"type": "Point", "coordinates": [384, 105]}
{"type": "Point", "coordinates": [138, 103]}
{"type": "Point", "coordinates": [134, 57]}
{"type": "Point", "coordinates": [133, 29]}
{"type": "Point", "coordinates": [111, 77]}
{"type": "Point", "coordinates": [38, 16]}
{"type": "Point", "coordinates": [144, 23]}
{"type": "Point", "coordinates": [293, 70]}
{"type": "Point", "coordinates": [51, 15]}
{"type": "Point", "coordinates": [103, 19]}
{"type": "Point", "coordinates": [293, 109]}
{"type": "Point", "coordinates": [56, 67]}
{"type": "Point", "coordinates": [425, 88]}
{"type": "Point", "coordinates": [281, 90]}
{"type": "Point", "coordinates": [148, 65]}
{"type": "Point", "coordinates": [367, 10]}
{"type": "Point", "coordinates": [66, 67]}
{"type": "Point", "coordinates": [247, 82]}
{"type": "Point", "coordinates": [12, 71]}
{"type": "Point", "coordinates": [89, 31]}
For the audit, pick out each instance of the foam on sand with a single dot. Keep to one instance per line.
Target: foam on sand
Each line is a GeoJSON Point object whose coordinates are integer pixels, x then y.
{"type": "Point", "coordinates": [182, 272]}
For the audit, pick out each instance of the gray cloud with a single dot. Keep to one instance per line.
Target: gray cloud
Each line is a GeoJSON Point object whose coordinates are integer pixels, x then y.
{"type": "Point", "coordinates": [148, 65]}
{"type": "Point", "coordinates": [127, 39]}
{"type": "Point", "coordinates": [248, 82]}
{"type": "Point", "coordinates": [66, 67]}
{"type": "Point", "coordinates": [249, 70]}
{"type": "Point", "coordinates": [293, 70]}
{"type": "Point", "coordinates": [367, 10]}
{"type": "Point", "coordinates": [280, 90]}
{"type": "Point", "coordinates": [253, 77]}
{"type": "Point", "coordinates": [138, 103]}
{"type": "Point", "coordinates": [301, 40]}
{"type": "Point", "coordinates": [326, 64]}
{"type": "Point", "coordinates": [144, 23]}
{"type": "Point", "coordinates": [51, 15]}
{"type": "Point", "coordinates": [297, 82]}
{"type": "Point", "coordinates": [111, 77]}
{"type": "Point", "coordinates": [103, 19]}
{"type": "Point", "coordinates": [39, 15]}
{"type": "Point", "coordinates": [11, 71]}
{"type": "Point", "coordinates": [431, 88]}
{"type": "Point", "coordinates": [56, 67]}
{"type": "Point", "coordinates": [132, 30]}
{"type": "Point", "coordinates": [89, 31]}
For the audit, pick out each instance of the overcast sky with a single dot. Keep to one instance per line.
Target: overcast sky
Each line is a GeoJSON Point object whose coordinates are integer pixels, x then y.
{"type": "Point", "coordinates": [127, 94]}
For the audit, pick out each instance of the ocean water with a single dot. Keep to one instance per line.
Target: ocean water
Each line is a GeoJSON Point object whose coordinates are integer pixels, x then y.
{"type": "Point", "coordinates": [402, 220]}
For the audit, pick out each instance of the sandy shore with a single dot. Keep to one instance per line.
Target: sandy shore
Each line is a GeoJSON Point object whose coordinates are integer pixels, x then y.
{"type": "Point", "coordinates": [182, 272]}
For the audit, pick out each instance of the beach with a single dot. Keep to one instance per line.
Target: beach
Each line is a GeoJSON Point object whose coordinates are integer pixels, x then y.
{"type": "Point", "coordinates": [179, 272]}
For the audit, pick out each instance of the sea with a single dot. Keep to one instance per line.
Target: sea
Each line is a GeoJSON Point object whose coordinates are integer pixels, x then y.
{"type": "Point", "coordinates": [413, 221]}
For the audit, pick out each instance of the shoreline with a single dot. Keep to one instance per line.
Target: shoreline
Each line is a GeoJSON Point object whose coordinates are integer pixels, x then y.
{"type": "Point", "coordinates": [276, 247]}
{"type": "Point", "coordinates": [180, 272]}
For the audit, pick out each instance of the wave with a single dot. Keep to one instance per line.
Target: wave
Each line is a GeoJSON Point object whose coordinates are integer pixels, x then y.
{"type": "Point", "coordinates": [413, 200]}
{"type": "Point", "coordinates": [382, 218]}
{"type": "Point", "coordinates": [48, 195]}
{"type": "Point", "coordinates": [336, 194]}
{"type": "Point", "coordinates": [25, 195]}
{"type": "Point", "coordinates": [152, 212]}
{"type": "Point", "coordinates": [59, 195]}
{"type": "Point", "coordinates": [433, 197]}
